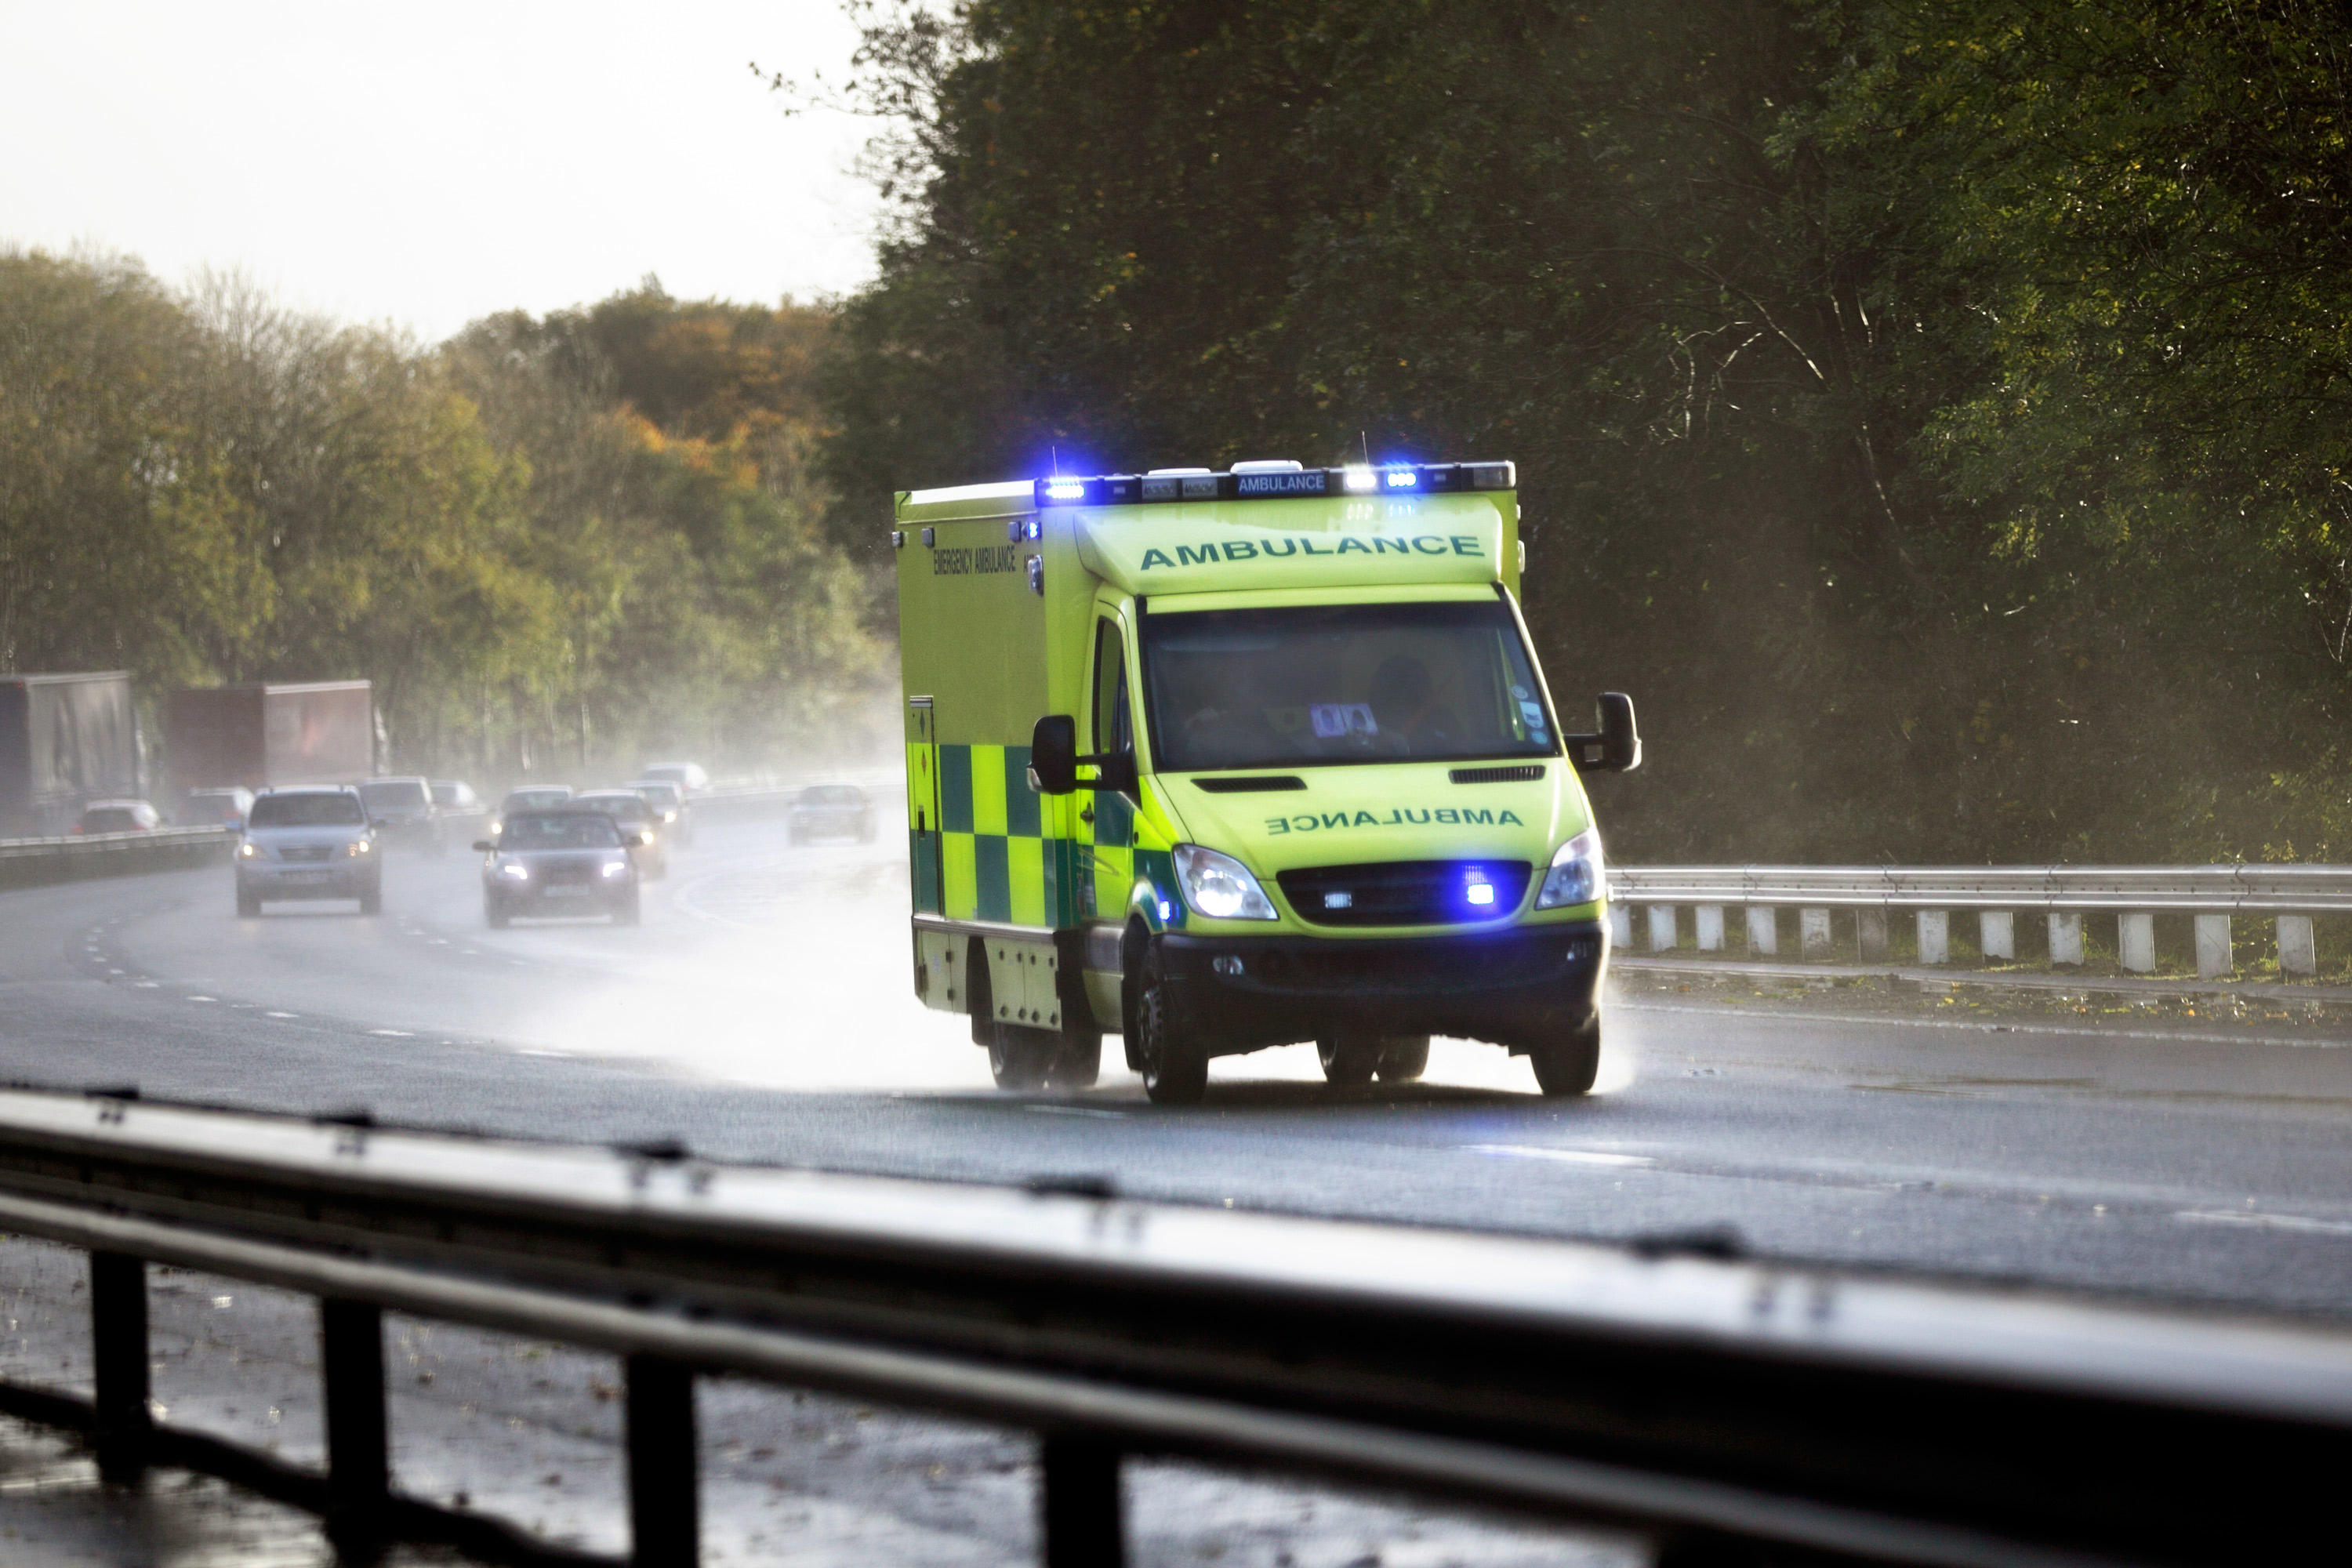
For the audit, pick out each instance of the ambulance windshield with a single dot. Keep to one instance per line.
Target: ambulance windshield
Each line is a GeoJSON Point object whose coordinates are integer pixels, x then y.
{"type": "Point", "coordinates": [1341, 683]}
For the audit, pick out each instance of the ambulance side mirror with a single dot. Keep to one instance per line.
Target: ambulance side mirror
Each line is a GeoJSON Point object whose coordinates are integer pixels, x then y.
{"type": "Point", "coordinates": [1617, 749]}
{"type": "Point", "coordinates": [1054, 755]}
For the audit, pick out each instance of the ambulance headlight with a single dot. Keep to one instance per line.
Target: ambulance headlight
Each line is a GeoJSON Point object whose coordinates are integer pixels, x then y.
{"type": "Point", "coordinates": [1219, 885]}
{"type": "Point", "coordinates": [1577, 874]}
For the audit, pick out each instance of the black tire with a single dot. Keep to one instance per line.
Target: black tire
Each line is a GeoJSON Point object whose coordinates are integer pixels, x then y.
{"type": "Point", "coordinates": [1403, 1058]}
{"type": "Point", "coordinates": [1021, 1058]}
{"type": "Point", "coordinates": [1567, 1065]}
{"type": "Point", "coordinates": [1171, 1054]}
{"type": "Point", "coordinates": [1349, 1061]}
{"type": "Point", "coordinates": [1077, 1060]}
{"type": "Point", "coordinates": [249, 905]}
{"type": "Point", "coordinates": [372, 901]}
{"type": "Point", "coordinates": [495, 914]}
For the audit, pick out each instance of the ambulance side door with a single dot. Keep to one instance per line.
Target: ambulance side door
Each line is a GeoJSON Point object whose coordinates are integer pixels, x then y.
{"type": "Point", "coordinates": [1107, 819]}
{"type": "Point", "coordinates": [923, 806]}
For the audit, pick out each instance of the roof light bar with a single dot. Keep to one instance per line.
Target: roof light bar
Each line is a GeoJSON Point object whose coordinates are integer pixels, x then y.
{"type": "Point", "coordinates": [1267, 482]}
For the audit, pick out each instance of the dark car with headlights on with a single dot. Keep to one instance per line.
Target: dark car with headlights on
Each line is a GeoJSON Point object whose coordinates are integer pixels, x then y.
{"type": "Point", "coordinates": [551, 863]}
{"type": "Point", "coordinates": [831, 811]}
{"type": "Point", "coordinates": [315, 843]}
{"type": "Point", "coordinates": [669, 803]}
{"type": "Point", "coordinates": [641, 826]}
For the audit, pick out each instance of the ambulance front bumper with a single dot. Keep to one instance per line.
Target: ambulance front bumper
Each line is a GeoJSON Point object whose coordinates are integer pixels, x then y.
{"type": "Point", "coordinates": [1512, 987]}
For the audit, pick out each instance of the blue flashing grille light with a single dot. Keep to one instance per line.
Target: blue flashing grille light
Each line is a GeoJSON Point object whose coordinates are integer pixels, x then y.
{"type": "Point", "coordinates": [1478, 892]}
{"type": "Point", "coordinates": [1394, 480]}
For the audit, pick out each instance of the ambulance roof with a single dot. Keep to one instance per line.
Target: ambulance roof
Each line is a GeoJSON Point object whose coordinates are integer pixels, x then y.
{"type": "Point", "coordinates": [1258, 481]}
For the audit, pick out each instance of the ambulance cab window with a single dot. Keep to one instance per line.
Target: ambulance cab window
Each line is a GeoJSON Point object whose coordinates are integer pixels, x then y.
{"type": "Point", "coordinates": [1342, 683]}
{"type": "Point", "coordinates": [1114, 730]}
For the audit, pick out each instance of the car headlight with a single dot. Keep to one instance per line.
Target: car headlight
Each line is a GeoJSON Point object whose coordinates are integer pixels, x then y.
{"type": "Point", "coordinates": [359, 847]}
{"type": "Point", "coordinates": [513, 872]}
{"type": "Point", "coordinates": [248, 851]}
{"type": "Point", "coordinates": [1577, 874]}
{"type": "Point", "coordinates": [616, 867]}
{"type": "Point", "coordinates": [495, 826]}
{"type": "Point", "coordinates": [1219, 885]}
{"type": "Point", "coordinates": [669, 816]}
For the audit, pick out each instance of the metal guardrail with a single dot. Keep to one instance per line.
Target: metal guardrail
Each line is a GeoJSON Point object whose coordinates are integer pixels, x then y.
{"type": "Point", "coordinates": [2212, 889]}
{"type": "Point", "coordinates": [36, 862]}
{"type": "Point", "coordinates": [1735, 1411]}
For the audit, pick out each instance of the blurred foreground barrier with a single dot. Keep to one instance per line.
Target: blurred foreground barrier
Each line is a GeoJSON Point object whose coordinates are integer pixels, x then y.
{"type": "Point", "coordinates": [2134, 895]}
{"type": "Point", "coordinates": [1732, 1412]}
{"type": "Point", "coordinates": [36, 862]}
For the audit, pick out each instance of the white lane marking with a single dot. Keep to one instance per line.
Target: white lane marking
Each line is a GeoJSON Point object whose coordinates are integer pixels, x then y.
{"type": "Point", "coordinates": [1565, 1156]}
{"type": "Point", "coordinates": [531, 1051]}
{"type": "Point", "coordinates": [1076, 1111]}
{"type": "Point", "coordinates": [2303, 1223]}
{"type": "Point", "coordinates": [394, 1033]}
{"type": "Point", "coordinates": [147, 985]}
{"type": "Point", "coordinates": [204, 999]}
{"type": "Point", "coordinates": [281, 1014]}
{"type": "Point", "coordinates": [1987, 1028]}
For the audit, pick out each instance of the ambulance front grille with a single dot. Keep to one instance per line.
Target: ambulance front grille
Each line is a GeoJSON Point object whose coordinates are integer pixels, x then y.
{"type": "Point", "coordinates": [1406, 892]}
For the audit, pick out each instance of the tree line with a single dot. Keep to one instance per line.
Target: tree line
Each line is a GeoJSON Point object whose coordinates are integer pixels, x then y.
{"type": "Point", "coordinates": [552, 543]}
{"type": "Point", "coordinates": [1933, 411]}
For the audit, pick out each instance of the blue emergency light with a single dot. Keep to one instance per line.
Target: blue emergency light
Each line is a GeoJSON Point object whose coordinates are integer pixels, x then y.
{"type": "Point", "coordinates": [1275, 484]}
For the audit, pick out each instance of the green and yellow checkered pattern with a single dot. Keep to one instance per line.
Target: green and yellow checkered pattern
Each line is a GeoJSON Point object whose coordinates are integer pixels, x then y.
{"type": "Point", "coordinates": [990, 849]}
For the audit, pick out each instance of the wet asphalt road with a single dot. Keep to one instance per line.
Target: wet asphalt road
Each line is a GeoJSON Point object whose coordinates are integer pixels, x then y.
{"type": "Point", "coordinates": [763, 1011]}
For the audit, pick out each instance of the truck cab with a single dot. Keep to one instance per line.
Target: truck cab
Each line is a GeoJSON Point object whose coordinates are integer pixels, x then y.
{"type": "Point", "coordinates": [1221, 760]}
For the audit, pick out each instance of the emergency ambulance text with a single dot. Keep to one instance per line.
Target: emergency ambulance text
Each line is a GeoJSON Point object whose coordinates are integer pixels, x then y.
{"type": "Point", "coordinates": [1399, 817]}
{"type": "Point", "coordinates": [1250, 550]}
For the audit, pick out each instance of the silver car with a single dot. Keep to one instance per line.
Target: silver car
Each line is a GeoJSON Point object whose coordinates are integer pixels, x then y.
{"type": "Point", "coordinates": [312, 843]}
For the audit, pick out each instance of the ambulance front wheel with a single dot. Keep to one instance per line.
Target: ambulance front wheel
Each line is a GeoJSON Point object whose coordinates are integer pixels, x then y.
{"type": "Point", "coordinates": [1567, 1063]}
{"type": "Point", "coordinates": [1172, 1056]}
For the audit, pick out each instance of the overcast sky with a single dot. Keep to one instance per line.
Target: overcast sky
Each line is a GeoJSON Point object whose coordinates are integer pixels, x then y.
{"type": "Point", "coordinates": [426, 163]}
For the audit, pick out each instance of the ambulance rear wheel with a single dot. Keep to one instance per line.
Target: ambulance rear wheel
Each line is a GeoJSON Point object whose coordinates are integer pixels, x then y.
{"type": "Point", "coordinates": [1078, 1060]}
{"type": "Point", "coordinates": [1566, 1063]}
{"type": "Point", "coordinates": [1349, 1061]}
{"type": "Point", "coordinates": [1403, 1058]}
{"type": "Point", "coordinates": [1173, 1058]}
{"type": "Point", "coordinates": [1019, 1057]}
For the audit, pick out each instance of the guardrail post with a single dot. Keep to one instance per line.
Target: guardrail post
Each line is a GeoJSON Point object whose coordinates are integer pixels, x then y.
{"type": "Point", "coordinates": [1079, 1506]}
{"type": "Point", "coordinates": [1997, 934]}
{"type": "Point", "coordinates": [1870, 935]}
{"type": "Point", "coordinates": [1663, 934]}
{"type": "Point", "coordinates": [1763, 928]}
{"type": "Point", "coordinates": [2135, 942]}
{"type": "Point", "coordinates": [2298, 953]}
{"type": "Point", "coordinates": [1813, 932]}
{"type": "Point", "coordinates": [665, 1502]}
{"type": "Point", "coordinates": [117, 1331]}
{"type": "Point", "coordinates": [2213, 956]}
{"type": "Point", "coordinates": [1935, 936]}
{"type": "Point", "coordinates": [358, 1468]}
{"type": "Point", "coordinates": [1621, 926]}
{"type": "Point", "coordinates": [2066, 939]}
{"type": "Point", "coordinates": [1708, 920]}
